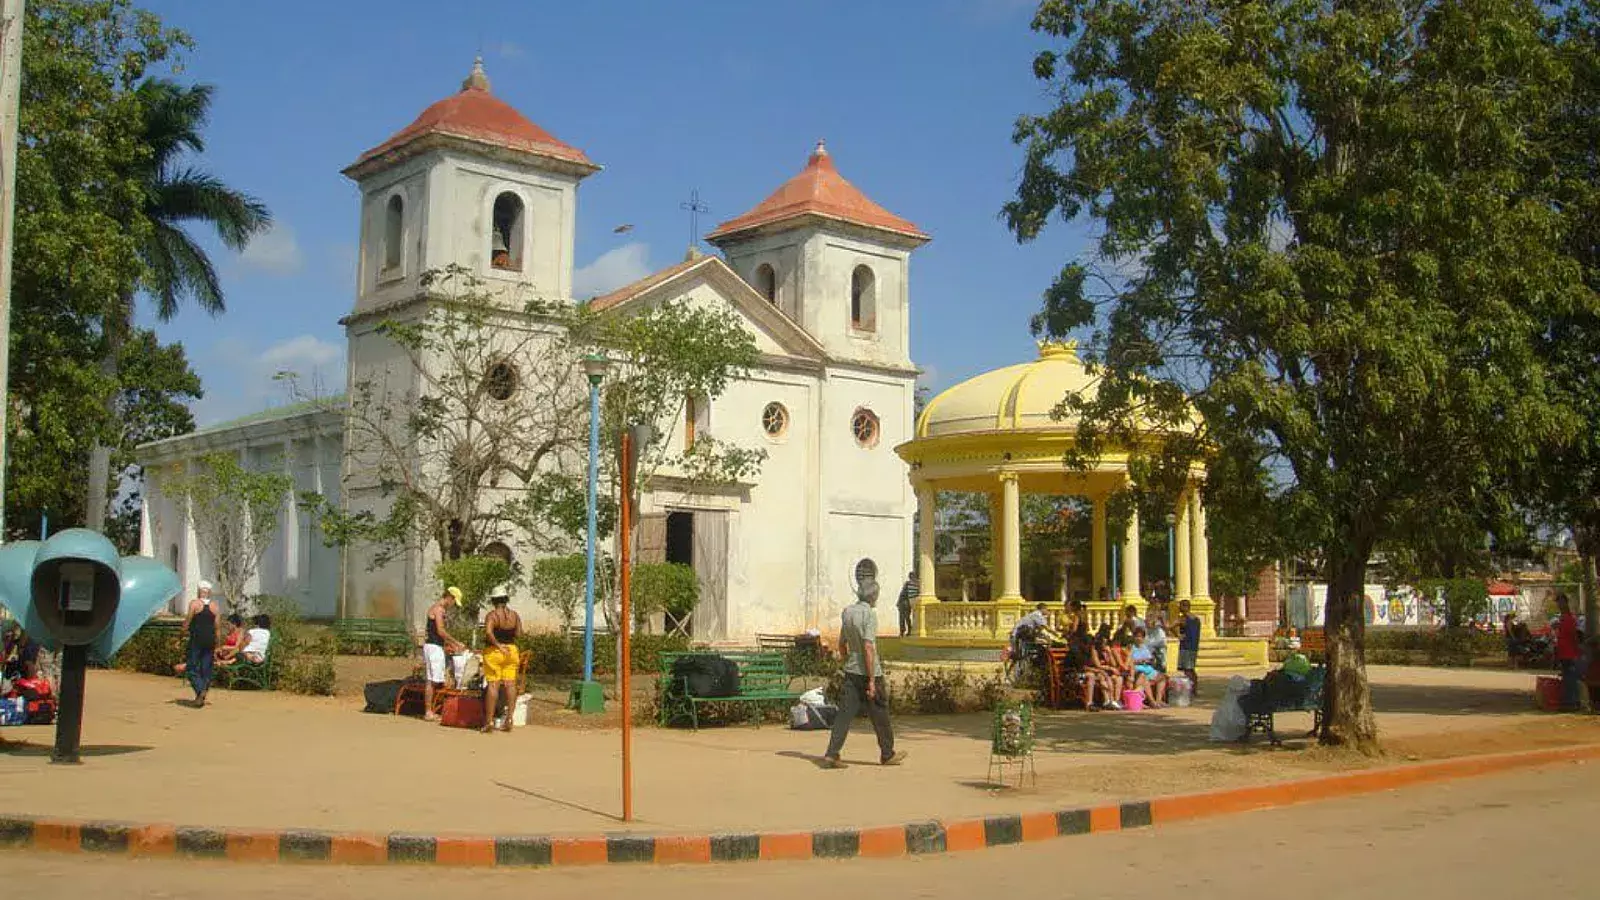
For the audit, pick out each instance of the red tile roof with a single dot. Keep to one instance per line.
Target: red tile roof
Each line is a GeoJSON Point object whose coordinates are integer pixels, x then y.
{"type": "Point", "coordinates": [819, 190]}
{"type": "Point", "coordinates": [476, 114]}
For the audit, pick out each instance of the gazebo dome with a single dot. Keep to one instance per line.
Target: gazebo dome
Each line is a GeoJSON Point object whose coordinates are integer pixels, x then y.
{"type": "Point", "coordinates": [1016, 398]}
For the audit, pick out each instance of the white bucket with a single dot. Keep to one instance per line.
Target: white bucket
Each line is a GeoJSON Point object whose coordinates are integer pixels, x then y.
{"type": "Point", "coordinates": [519, 714]}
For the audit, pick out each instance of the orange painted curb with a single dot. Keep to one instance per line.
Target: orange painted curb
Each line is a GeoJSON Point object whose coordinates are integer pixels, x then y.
{"type": "Point", "coordinates": [67, 836]}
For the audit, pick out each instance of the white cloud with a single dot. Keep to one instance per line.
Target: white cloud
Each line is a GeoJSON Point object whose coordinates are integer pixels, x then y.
{"type": "Point", "coordinates": [276, 251]}
{"type": "Point", "coordinates": [510, 50]}
{"type": "Point", "coordinates": [242, 378]}
{"type": "Point", "coordinates": [613, 269]}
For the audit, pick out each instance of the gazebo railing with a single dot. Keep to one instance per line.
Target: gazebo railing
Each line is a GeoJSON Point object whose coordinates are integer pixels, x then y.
{"type": "Point", "coordinates": [993, 620]}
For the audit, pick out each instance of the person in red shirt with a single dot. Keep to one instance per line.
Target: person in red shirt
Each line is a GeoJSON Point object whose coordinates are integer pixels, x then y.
{"type": "Point", "coordinates": [1568, 651]}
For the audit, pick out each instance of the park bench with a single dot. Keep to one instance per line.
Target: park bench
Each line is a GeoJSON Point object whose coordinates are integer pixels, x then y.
{"type": "Point", "coordinates": [764, 680]}
{"type": "Point", "coordinates": [1261, 709]}
{"type": "Point", "coordinates": [782, 643]}
{"type": "Point", "coordinates": [391, 635]}
{"type": "Point", "coordinates": [244, 673]}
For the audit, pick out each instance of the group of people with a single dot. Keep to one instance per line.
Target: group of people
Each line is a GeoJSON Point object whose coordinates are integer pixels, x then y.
{"type": "Point", "coordinates": [443, 654]}
{"type": "Point", "coordinates": [210, 645]}
{"type": "Point", "coordinates": [1111, 662]}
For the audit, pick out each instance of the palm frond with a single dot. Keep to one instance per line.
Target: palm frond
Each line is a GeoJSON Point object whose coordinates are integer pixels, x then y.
{"type": "Point", "coordinates": [174, 115]}
{"type": "Point", "coordinates": [191, 195]}
{"type": "Point", "coordinates": [179, 268]}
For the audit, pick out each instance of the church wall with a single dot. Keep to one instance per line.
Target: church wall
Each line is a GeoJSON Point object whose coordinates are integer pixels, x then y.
{"type": "Point", "coordinates": [831, 259]}
{"type": "Point", "coordinates": [410, 182]}
{"type": "Point", "coordinates": [869, 505]}
{"type": "Point", "coordinates": [466, 192]}
{"type": "Point", "coordinates": [784, 254]}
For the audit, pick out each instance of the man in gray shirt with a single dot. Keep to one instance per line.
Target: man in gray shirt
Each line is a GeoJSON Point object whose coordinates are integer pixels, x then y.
{"type": "Point", "coordinates": [863, 679]}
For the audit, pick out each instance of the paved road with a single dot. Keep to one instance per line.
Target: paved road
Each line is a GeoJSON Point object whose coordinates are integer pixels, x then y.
{"type": "Point", "coordinates": [1514, 835]}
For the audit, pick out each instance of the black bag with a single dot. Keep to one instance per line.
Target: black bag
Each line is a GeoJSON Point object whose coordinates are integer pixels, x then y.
{"type": "Point", "coordinates": [706, 675]}
{"type": "Point", "coordinates": [381, 695]}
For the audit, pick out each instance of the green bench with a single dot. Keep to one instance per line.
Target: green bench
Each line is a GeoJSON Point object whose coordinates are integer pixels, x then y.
{"type": "Point", "coordinates": [1261, 710]}
{"type": "Point", "coordinates": [764, 680]}
{"type": "Point", "coordinates": [390, 635]}
{"type": "Point", "coordinates": [244, 673]}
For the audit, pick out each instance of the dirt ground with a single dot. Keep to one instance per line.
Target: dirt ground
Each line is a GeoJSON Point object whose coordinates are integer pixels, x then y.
{"type": "Point", "coordinates": [272, 760]}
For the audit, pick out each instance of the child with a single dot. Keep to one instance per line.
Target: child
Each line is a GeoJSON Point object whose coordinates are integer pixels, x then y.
{"type": "Point", "coordinates": [1188, 644]}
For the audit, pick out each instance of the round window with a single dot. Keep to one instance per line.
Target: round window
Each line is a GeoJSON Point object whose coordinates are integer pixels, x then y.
{"type": "Point", "coordinates": [775, 420]}
{"type": "Point", "coordinates": [501, 382]}
{"type": "Point", "coordinates": [864, 425]}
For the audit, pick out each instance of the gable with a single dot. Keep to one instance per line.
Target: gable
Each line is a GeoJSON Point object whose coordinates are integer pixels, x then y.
{"type": "Point", "coordinates": [709, 283]}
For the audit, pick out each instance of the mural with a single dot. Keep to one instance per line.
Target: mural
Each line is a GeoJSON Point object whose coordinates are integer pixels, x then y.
{"type": "Point", "coordinates": [1383, 607]}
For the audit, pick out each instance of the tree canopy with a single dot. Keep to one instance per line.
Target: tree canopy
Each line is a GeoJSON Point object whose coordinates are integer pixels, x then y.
{"type": "Point", "coordinates": [1344, 248]}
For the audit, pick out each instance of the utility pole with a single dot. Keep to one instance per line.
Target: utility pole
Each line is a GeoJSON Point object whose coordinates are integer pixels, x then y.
{"type": "Point", "coordinates": [11, 20]}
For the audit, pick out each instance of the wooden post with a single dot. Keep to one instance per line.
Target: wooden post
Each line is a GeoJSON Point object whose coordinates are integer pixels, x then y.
{"type": "Point", "coordinates": [625, 658]}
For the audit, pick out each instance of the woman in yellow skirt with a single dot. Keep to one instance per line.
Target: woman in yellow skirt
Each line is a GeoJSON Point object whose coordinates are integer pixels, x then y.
{"type": "Point", "coordinates": [501, 660]}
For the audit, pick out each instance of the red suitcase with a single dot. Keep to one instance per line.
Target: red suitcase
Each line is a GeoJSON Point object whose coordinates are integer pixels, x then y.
{"type": "Point", "coordinates": [462, 711]}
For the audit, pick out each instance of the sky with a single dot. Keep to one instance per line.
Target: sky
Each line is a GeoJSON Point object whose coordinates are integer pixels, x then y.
{"type": "Point", "coordinates": [916, 99]}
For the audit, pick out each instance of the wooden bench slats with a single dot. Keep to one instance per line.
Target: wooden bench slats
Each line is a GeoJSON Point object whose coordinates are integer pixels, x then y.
{"type": "Point", "coordinates": [764, 677]}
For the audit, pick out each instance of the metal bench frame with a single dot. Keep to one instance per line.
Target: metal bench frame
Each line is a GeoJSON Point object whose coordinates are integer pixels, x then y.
{"type": "Point", "coordinates": [764, 679]}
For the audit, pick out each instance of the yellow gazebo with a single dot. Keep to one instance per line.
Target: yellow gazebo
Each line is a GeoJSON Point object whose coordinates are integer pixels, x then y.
{"type": "Point", "coordinates": [996, 434]}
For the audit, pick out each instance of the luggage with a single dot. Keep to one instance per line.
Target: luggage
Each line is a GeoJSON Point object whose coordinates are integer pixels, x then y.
{"type": "Point", "coordinates": [806, 717]}
{"type": "Point", "coordinates": [706, 675]}
{"type": "Point", "coordinates": [462, 711]}
{"type": "Point", "coordinates": [42, 711]}
{"type": "Point", "coordinates": [381, 695]}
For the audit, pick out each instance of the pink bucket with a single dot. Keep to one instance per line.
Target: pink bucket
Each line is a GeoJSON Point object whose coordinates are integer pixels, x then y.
{"type": "Point", "coordinates": [1133, 701]}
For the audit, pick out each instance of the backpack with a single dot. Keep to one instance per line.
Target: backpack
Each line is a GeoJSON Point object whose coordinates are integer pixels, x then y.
{"type": "Point", "coordinates": [706, 675]}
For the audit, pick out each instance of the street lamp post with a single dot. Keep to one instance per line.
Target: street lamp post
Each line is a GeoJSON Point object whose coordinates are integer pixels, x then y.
{"type": "Point", "coordinates": [587, 696]}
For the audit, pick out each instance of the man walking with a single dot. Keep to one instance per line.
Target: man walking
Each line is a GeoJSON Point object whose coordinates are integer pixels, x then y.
{"type": "Point", "coordinates": [863, 677]}
{"type": "Point", "coordinates": [908, 596]}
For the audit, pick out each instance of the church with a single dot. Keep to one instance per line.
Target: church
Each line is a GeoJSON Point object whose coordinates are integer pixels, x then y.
{"type": "Point", "coordinates": [817, 273]}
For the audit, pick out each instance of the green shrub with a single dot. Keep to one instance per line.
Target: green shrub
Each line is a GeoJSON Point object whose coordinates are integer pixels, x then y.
{"type": "Point", "coordinates": [557, 584]}
{"type": "Point", "coordinates": [476, 576]}
{"type": "Point", "coordinates": [671, 588]}
{"type": "Point", "coordinates": [152, 651]}
{"type": "Point", "coordinates": [1386, 657]}
{"type": "Point", "coordinates": [551, 653]}
{"type": "Point", "coordinates": [307, 674]}
{"type": "Point", "coordinates": [934, 691]}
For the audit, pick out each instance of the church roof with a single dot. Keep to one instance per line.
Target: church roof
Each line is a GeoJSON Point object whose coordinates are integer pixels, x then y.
{"type": "Point", "coordinates": [819, 190]}
{"type": "Point", "coordinates": [629, 291]}
{"type": "Point", "coordinates": [475, 114]}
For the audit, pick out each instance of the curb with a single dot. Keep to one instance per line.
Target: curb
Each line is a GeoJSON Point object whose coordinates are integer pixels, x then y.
{"type": "Point", "coordinates": [912, 839]}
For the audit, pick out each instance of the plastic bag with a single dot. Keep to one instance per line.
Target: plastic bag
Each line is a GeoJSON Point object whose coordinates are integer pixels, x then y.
{"type": "Point", "coordinates": [1229, 723]}
{"type": "Point", "coordinates": [813, 697]}
{"type": "Point", "coordinates": [1180, 690]}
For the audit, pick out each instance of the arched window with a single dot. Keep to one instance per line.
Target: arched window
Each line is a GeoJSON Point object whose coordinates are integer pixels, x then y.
{"type": "Point", "coordinates": [502, 380]}
{"type": "Point", "coordinates": [863, 299]}
{"type": "Point", "coordinates": [505, 244]}
{"type": "Point", "coordinates": [767, 282]}
{"type": "Point", "coordinates": [498, 550]}
{"type": "Point", "coordinates": [394, 221]}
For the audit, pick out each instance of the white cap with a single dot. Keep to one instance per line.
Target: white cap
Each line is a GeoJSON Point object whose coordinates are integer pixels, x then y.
{"type": "Point", "coordinates": [204, 586]}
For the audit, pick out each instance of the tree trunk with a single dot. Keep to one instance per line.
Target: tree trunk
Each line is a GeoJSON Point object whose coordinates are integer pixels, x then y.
{"type": "Point", "coordinates": [1346, 700]}
{"type": "Point", "coordinates": [97, 501]}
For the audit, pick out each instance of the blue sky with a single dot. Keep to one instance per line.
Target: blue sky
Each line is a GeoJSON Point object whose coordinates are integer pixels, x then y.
{"type": "Point", "coordinates": [916, 101]}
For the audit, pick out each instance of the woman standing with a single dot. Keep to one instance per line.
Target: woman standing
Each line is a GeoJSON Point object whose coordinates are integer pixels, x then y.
{"type": "Point", "coordinates": [202, 625]}
{"type": "Point", "coordinates": [501, 661]}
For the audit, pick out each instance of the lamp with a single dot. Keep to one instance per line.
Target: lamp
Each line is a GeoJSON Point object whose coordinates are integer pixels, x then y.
{"type": "Point", "coordinates": [586, 695]}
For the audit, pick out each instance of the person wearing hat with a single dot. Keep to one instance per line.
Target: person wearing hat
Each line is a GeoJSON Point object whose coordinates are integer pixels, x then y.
{"type": "Point", "coordinates": [864, 686]}
{"type": "Point", "coordinates": [436, 646]}
{"type": "Point", "coordinates": [203, 627]}
{"type": "Point", "coordinates": [501, 660]}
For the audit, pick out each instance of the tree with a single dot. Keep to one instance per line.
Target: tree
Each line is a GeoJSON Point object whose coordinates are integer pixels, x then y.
{"type": "Point", "coordinates": [80, 137]}
{"type": "Point", "coordinates": [234, 513]}
{"type": "Point", "coordinates": [174, 194]}
{"type": "Point", "coordinates": [1343, 256]}
{"type": "Point", "coordinates": [155, 389]}
{"type": "Point", "coordinates": [482, 434]}
{"type": "Point", "coordinates": [476, 576]}
{"type": "Point", "coordinates": [557, 584]}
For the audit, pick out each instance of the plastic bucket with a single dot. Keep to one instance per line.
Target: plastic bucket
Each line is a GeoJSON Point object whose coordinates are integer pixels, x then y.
{"type": "Point", "coordinates": [519, 714]}
{"type": "Point", "coordinates": [1547, 693]}
{"type": "Point", "coordinates": [1133, 700]}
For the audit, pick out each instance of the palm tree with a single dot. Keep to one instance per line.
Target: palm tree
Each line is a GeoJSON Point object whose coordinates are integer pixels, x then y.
{"type": "Point", "coordinates": [176, 195]}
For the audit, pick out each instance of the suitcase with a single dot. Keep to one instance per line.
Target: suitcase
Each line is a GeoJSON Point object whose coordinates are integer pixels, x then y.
{"type": "Point", "coordinates": [462, 711]}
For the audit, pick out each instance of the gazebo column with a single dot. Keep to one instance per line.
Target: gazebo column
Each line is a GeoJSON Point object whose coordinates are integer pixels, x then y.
{"type": "Point", "coordinates": [1130, 560]}
{"type": "Point", "coordinates": [1098, 551]}
{"type": "Point", "coordinates": [1200, 587]}
{"type": "Point", "coordinates": [1011, 549]}
{"type": "Point", "coordinates": [927, 515]}
{"type": "Point", "coordinates": [1182, 581]}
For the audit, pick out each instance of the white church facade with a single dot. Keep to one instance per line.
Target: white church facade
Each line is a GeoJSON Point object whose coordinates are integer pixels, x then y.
{"type": "Point", "coordinates": [817, 273]}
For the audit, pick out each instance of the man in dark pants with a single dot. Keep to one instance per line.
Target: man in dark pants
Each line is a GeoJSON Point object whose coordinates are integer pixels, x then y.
{"type": "Point", "coordinates": [908, 596]}
{"type": "Point", "coordinates": [863, 678]}
{"type": "Point", "coordinates": [1568, 651]}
